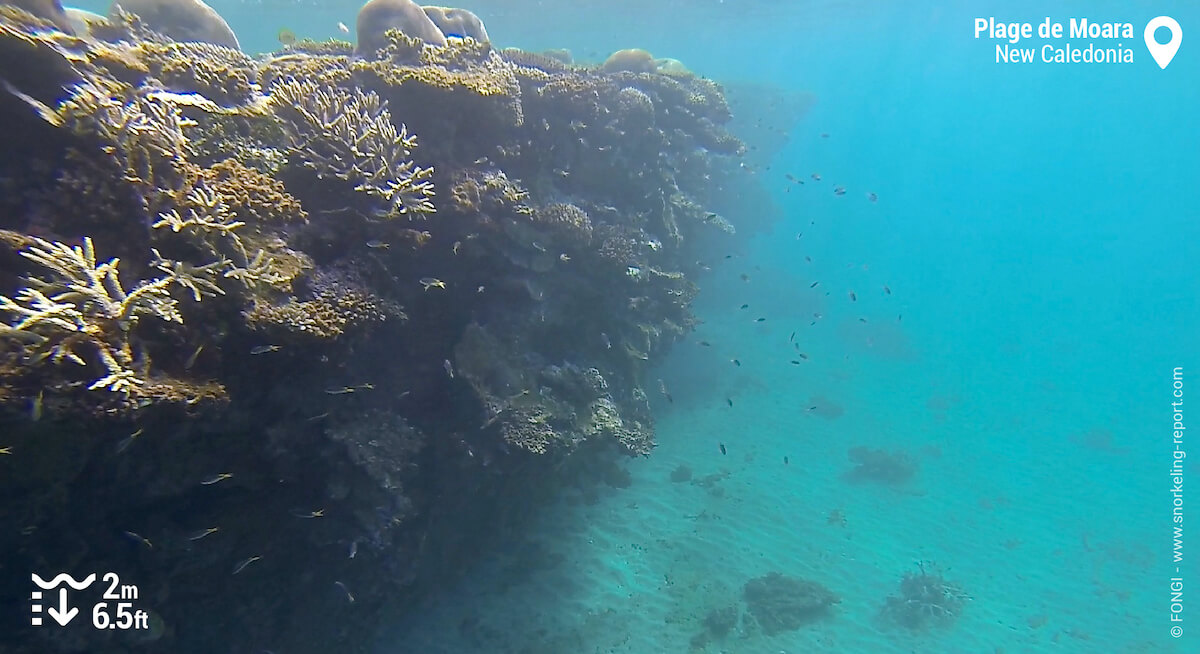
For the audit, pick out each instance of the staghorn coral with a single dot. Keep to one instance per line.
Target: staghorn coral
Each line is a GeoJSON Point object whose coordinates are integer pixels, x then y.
{"type": "Point", "coordinates": [80, 306]}
{"type": "Point", "coordinates": [349, 135]}
{"type": "Point", "coordinates": [926, 599]}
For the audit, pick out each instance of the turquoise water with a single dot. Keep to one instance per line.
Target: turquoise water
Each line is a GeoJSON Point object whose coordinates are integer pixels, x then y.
{"type": "Point", "coordinates": [1037, 229]}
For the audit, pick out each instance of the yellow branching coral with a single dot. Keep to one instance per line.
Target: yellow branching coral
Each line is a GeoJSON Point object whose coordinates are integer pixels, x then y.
{"type": "Point", "coordinates": [80, 306]}
{"type": "Point", "coordinates": [350, 135]}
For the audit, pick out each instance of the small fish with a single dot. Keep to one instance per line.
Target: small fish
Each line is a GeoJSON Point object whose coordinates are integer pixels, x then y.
{"type": "Point", "coordinates": [479, 290]}
{"type": "Point", "coordinates": [662, 388]}
{"type": "Point", "coordinates": [564, 257]}
{"type": "Point", "coordinates": [353, 549]}
{"type": "Point", "coordinates": [319, 513]}
{"type": "Point", "coordinates": [604, 339]}
{"type": "Point", "coordinates": [448, 367]}
{"type": "Point", "coordinates": [204, 532]}
{"type": "Point", "coordinates": [432, 282]}
{"type": "Point", "coordinates": [853, 297]}
{"type": "Point", "coordinates": [798, 235]}
{"type": "Point", "coordinates": [872, 197]}
{"type": "Point", "coordinates": [318, 417]}
{"type": "Point", "coordinates": [216, 478]}
{"type": "Point", "coordinates": [804, 356]}
{"type": "Point", "coordinates": [729, 400]}
{"type": "Point", "coordinates": [785, 460]}
{"type": "Point", "coordinates": [263, 349]}
{"type": "Point", "coordinates": [736, 362]}
{"type": "Point", "coordinates": [340, 391]}
{"type": "Point", "coordinates": [377, 244]}
{"type": "Point", "coordinates": [887, 290]}
{"type": "Point", "coordinates": [139, 539]}
{"type": "Point", "coordinates": [862, 319]}
{"type": "Point", "coordinates": [744, 277]}
{"type": "Point", "coordinates": [6, 450]}
{"type": "Point", "coordinates": [795, 362]}
{"type": "Point", "coordinates": [792, 338]}
{"type": "Point", "coordinates": [816, 177]}
{"type": "Point", "coordinates": [286, 36]}
{"type": "Point", "coordinates": [191, 361]}
{"type": "Point", "coordinates": [345, 590]}
{"type": "Point", "coordinates": [35, 407]}
{"type": "Point", "coordinates": [788, 177]}
{"type": "Point", "coordinates": [808, 259]}
{"type": "Point", "coordinates": [241, 565]}
{"type": "Point", "coordinates": [723, 450]}
{"type": "Point", "coordinates": [456, 246]}
{"type": "Point", "coordinates": [745, 306]}
{"type": "Point", "coordinates": [899, 317]}
{"type": "Point", "coordinates": [343, 28]}
{"type": "Point", "coordinates": [705, 343]}
{"type": "Point", "coordinates": [128, 440]}
{"type": "Point", "coordinates": [813, 285]}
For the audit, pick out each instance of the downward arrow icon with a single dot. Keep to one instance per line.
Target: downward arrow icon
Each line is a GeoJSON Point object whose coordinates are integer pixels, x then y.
{"type": "Point", "coordinates": [64, 613]}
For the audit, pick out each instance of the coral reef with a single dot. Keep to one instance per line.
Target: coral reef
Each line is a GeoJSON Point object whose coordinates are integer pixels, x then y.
{"type": "Point", "coordinates": [181, 20]}
{"type": "Point", "coordinates": [454, 22]}
{"type": "Point", "coordinates": [925, 600]}
{"type": "Point", "coordinates": [230, 299]}
{"type": "Point", "coordinates": [377, 17]}
{"type": "Point", "coordinates": [880, 466]}
{"type": "Point", "coordinates": [780, 603]}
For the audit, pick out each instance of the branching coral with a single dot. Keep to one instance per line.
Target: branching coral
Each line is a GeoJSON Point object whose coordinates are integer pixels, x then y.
{"type": "Point", "coordinates": [81, 305]}
{"type": "Point", "coordinates": [926, 599]}
{"type": "Point", "coordinates": [350, 135]}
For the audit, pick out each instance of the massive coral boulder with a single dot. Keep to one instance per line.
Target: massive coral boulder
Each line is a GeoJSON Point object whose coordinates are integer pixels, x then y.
{"type": "Point", "coordinates": [51, 10]}
{"type": "Point", "coordinates": [378, 16]}
{"type": "Point", "coordinates": [457, 22]}
{"type": "Point", "coordinates": [632, 60]}
{"type": "Point", "coordinates": [182, 20]}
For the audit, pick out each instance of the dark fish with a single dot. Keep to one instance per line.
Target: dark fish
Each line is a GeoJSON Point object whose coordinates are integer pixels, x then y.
{"type": "Point", "coordinates": [287, 36]}
{"type": "Point", "coordinates": [813, 285]}
{"type": "Point", "coordinates": [872, 197]}
{"type": "Point", "coordinates": [760, 320]}
{"type": "Point", "coordinates": [744, 277]}
{"type": "Point", "coordinates": [798, 235]}
{"type": "Point", "coordinates": [745, 306]}
{"type": "Point", "coordinates": [898, 317]}
{"type": "Point", "coordinates": [887, 290]}
{"type": "Point", "coordinates": [824, 135]}
{"type": "Point", "coordinates": [723, 450]}
{"type": "Point", "coordinates": [808, 259]}
{"type": "Point", "coordinates": [816, 177]}
{"type": "Point", "coordinates": [795, 362]}
{"type": "Point", "coordinates": [785, 461]}
{"type": "Point", "coordinates": [853, 297]}
{"type": "Point", "coordinates": [706, 343]}
{"type": "Point", "coordinates": [840, 190]}
{"type": "Point", "coordinates": [792, 338]}
{"type": "Point", "coordinates": [736, 362]}
{"type": "Point", "coordinates": [804, 356]}
{"type": "Point", "coordinates": [789, 177]}
{"type": "Point", "coordinates": [862, 319]}
{"type": "Point", "coordinates": [729, 400]}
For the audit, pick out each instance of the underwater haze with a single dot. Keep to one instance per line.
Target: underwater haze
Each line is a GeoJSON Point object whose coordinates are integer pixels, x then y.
{"type": "Point", "coordinates": [927, 401]}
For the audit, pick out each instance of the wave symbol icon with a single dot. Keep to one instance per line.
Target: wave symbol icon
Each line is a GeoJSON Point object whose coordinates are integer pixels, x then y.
{"type": "Point", "coordinates": [61, 578]}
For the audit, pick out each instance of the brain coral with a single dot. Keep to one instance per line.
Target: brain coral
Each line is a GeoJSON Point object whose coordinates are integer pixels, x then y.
{"type": "Point", "coordinates": [182, 20]}
{"type": "Point", "coordinates": [633, 60]}
{"type": "Point", "coordinates": [378, 16]}
{"type": "Point", "coordinates": [457, 22]}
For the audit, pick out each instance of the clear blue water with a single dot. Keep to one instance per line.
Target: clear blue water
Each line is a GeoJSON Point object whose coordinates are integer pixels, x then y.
{"type": "Point", "coordinates": [1037, 227]}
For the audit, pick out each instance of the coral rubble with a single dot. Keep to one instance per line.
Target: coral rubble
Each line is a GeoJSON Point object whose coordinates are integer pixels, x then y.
{"type": "Point", "coordinates": [331, 282]}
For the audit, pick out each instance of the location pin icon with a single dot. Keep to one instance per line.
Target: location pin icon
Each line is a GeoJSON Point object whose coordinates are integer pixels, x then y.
{"type": "Point", "coordinates": [1163, 53]}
